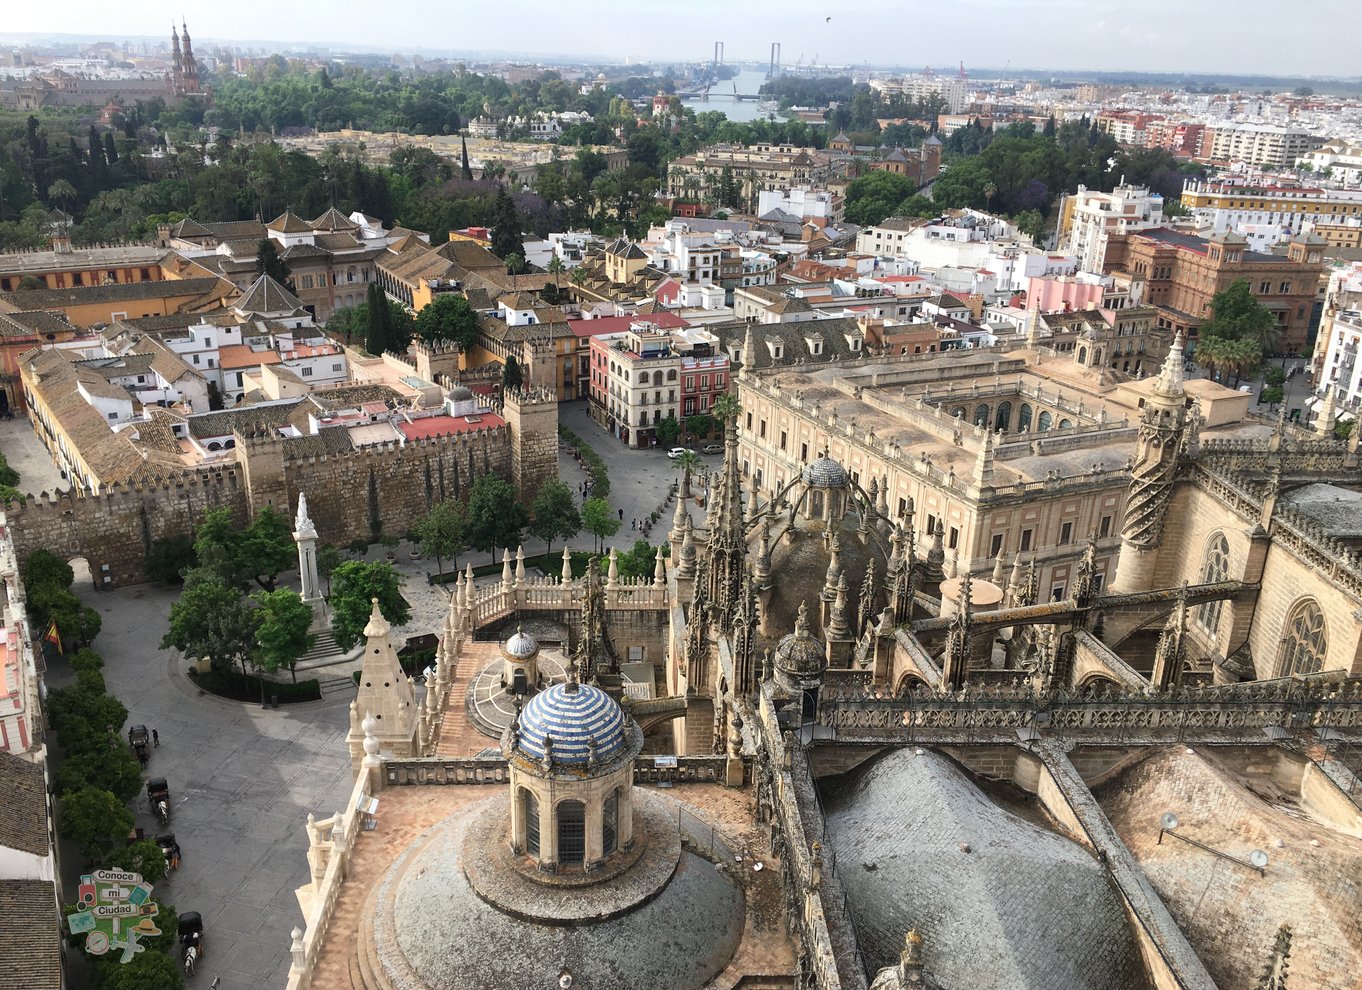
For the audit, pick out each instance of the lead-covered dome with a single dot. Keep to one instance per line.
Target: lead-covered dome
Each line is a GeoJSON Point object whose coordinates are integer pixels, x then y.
{"type": "Point", "coordinates": [572, 715]}
{"type": "Point", "coordinates": [824, 472]}
{"type": "Point", "coordinates": [799, 656]}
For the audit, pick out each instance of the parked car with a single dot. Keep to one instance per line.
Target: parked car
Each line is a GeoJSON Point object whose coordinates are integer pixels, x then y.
{"type": "Point", "coordinates": [713, 448]}
{"type": "Point", "coordinates": [676, 452]}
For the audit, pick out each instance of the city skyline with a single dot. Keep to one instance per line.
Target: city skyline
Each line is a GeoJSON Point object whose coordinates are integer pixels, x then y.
{"type": "Point", "coordinates": [1154, 36]}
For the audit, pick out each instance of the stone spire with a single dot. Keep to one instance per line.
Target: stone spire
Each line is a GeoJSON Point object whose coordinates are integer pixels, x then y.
{"type": "Point", "coordinates": [761, 567]}
{"type": "Point", "coordinates": [936, 556]}
{"type": "Point", "coordinates": [1170, 653]}
{"type": "Point", "coordinates": [749, 349]}
{"type": "Point", "coordinates": [955, 666]}
{"type": "Point", "coordinates": [1326, 417]}
{"type": "Point", "coordinates": [385, 692]}
{"type": "Point", "coordinates": [1158, 446]}
{"type": "Point", "coordinates": [595, 657]}
{"type": "Point", "coordinates": [1274, 973]}
{"type": "Point", "coordinates": [865, 610]}
{"type": "Point", "coordinates": [305, 536]}
{"type": "Point", "coordinates": [1086, 575]}
{"type": "Point", "coordinates": [1171, 377]}
{"type": "Point", "coordinates": [1033, 326]}
{"type": "Point", "coordinates": [999, 571]}
{"type": "Point", "coordinates": [745, 630]}
{"type": "Point", "coordinates": [727, 544]}
{"type": "Point", "coordinates": [838, 626]}
{"type": "Point", "coordinates": [983, 467]}
{"type": "Point", "coordinates": [659, 569]}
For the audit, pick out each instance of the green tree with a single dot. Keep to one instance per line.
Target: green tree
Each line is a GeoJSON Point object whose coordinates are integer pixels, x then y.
{"type": "Point", "coordinates": [495, 518]}
{"type": "Point", "coordinates": [328, 559]}
{"type": "Point", "coordinates": [282, 622]}
{"type": "Point", "coordinates": [554, 514]}
{"type": "Point", "coordinates": [668, 431]}
{"type": "Point", "coordinates": [143, 856]}
{"type": "Point", "coordinates": [215, 403]}
{"type": "Point", "coordinates": [639, 561]}
{"type": "Point", "coordinates": [95, 820]}
{"type": "Point", "coordinates": [44, 568]}
{"type": "Point", "coordinates": [169, 557]}
{"type": "Point", "coordinates": [1238, 333]}
{"type": "Point", "coordinates": [688, 462]}
{"type": "Point", "coordinates": [354, 585]}
{"type": "Point", "coordinates": [63, 192]}
{"type": "Point", "coordinates": [9, 476]}
{"type": "Point", "coordinates": [212, 620]}
{"type": "Point", "coordinates": [506, 239]}
{"type": "Point", "coordinates": [76, 622]}
{"type": "Point", "coordinates": [376, 321]}
{"type": "Point", "coordinates": [726, 408]}
{"type": "Point", "coordinates": [511, 375]}
{"type": "Point", "coordinates": [147, 971]}
{"type": "Point", "coordinates": [94, 760]}
{"type": "Point", "coordinates": [268, 262]}
{"type": "Point", "coordinates": [448, 317]}
{"type": "Point", "coordinates": [258, 553]}
{"type": "Point", "coordinates": [600, 520]}
{"type": "Point", "coordinates": [440, 533]}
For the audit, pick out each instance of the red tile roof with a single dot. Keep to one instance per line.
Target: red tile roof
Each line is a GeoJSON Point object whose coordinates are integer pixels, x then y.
{"type": "Point", "coordinates": [437, 426]}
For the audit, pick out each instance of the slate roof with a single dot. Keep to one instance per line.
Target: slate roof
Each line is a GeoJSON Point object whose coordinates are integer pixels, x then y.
{"type": "Point", "coordinates": [267, 296]}
{"type": "Point", "coordinates": [30, 934]}
{"type": "Point", "coordinates": [792, 336]}
{"type": "Point", "coordinates": [23, 812]}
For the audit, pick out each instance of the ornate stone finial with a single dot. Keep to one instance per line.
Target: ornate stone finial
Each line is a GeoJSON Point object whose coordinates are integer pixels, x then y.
{"type": "Point", "coordinates": [302, 523]}
{"type": "Point", "coordinates": [592, 755]}
{"type": "Point", "coordinates": [612, 574]}
{"type": "Point", "coordinates": [520, 565]}
{"type": "Point", "coordinates": [802, 621]}
{"type": "Point", "coordinates": [507, 578]}
{"type": "Point", "coordinates": [659, 568]}
{"type": "Point", "coordinates": [548, 752]}
{"type": "Point", "coordinates": [999, 571]}
{"type": "Point", "coordinates": [377, 625]}
{"type": "Point", "coordinates": [572, 681]}
{"type": "Point", "coordinates": [767, 668]}
{"type": "Point", "coordinates": [567, 565]}
{"type": "Point", "coordinates": [1171, 377]}
{"type": "Point", "coordinates": [370, 726]}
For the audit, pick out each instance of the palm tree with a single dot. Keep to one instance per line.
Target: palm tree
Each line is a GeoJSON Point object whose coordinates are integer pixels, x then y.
{"type": "Point", "coordinates": [555, 267]}
{"type": "Point", "coordinates": [64, 191]}
{"type": "Point", "coordinates": [515, 265]}
{"type": "Point", "coordinates": [726, 407]}
{"type": "Point", "coordinates": [990, 190]}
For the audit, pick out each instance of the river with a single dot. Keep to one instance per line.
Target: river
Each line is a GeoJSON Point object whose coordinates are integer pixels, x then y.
{"type": "Point", "coordinates": [721, 97]}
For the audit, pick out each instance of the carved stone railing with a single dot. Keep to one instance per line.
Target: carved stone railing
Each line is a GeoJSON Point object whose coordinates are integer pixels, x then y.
{"type": "Point", "coordinates": [1291, 705]}
{"type": "Point", "coordinates": [443, 770]}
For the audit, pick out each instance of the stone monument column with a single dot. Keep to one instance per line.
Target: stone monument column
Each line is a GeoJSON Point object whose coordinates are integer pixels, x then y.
{"type": "Point", "coordinates": [305, 535]}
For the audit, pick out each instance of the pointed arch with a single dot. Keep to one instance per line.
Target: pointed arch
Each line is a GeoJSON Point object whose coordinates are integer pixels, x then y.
{"type": "Point", "coordinates": [1215, 567]}
{"type": "Point", "coordinates": [1305, 640]}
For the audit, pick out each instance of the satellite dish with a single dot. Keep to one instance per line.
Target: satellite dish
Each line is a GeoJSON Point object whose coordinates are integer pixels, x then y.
{"type": "Point", "coordinates": [1258, 858]}
{"type": "Point", "coordinates": [1169, 821]}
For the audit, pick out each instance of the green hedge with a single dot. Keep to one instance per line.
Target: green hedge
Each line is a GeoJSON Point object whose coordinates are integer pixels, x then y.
{"type": "Point", "coordinates": [246, 687]}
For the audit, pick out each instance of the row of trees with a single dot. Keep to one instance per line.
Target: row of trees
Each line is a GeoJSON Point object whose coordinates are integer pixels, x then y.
{"type": "Point", "coordinates": [49, 600]}
{"type": "Point", "coordinates": [98, 776]}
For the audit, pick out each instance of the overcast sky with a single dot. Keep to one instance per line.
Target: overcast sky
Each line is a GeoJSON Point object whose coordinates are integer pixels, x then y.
{"type": "Point", "coordinates": [1229, 36]}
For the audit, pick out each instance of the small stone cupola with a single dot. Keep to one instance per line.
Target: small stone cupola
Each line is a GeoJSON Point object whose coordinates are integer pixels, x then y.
{"type": "Point", "coordinates": [520, 671]}
{"type": "Point", "coordinates": [827, 483]}
{"type": "Point", "coordinates": [571, 755]}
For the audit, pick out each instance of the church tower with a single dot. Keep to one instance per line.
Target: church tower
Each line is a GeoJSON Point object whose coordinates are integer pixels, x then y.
{"type": "Point", "coordinates": [727, 544]}
{"type": "Point", "coordinates": [1163, 426]}
{"type": "Point", "coordinates": [176, 62]}
{"type": "Point", "coordinates": [189, 78]}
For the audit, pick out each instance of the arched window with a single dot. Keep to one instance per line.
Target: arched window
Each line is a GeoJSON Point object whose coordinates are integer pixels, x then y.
{"type": "Point", "coordinates": [571, 833]}
{"type": "Point", "coordinates": [958, 412]}
{"type": "Point", "coordinates": [1024, 418]}
{"type": "Point", "coordinates": [1304, 641]}
{"type": "Point", "coordinates": [1215, 569]}
{"type": "Point", "coordinates": [981, 415]}
{"type": "Point", "coordinates": [610, 813]}
{"type": "Point", "coordinates": [1082, 355]}
{"type": "Point", "coordinates": [529, 811]}
{"type": "Point", "coordinates": [643, 378]}
{"type": "Point", "coordinates": [1064, 424]}
{"type": "Point", "coordinates": [671, 374]}
{"type": "Point", "coordinates": [1003, 419]}
{"type": "Point", "coordinates": [1044, 422]}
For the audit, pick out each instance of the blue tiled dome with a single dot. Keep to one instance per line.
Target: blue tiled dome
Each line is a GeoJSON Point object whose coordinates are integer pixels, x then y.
{"type": "Point", "coordinates": [521, 645]}
{"type": "Point", "coordinates": [572, 719]}
{"type": "Point", "coordinates": [824, 472]}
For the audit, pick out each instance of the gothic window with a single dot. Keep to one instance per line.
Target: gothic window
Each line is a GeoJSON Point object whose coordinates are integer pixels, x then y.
{"type": "Point", "coordinates": [1304, 641]}
{"type": "Point", "coordinates": [1043, 424]}
{"type": "Point", "coordinates": [1215, 570]}
{"type": "Point", "coordinates": [1024, 419]}
{"type": "Point", "coordinates": [529, 810]}
{"type": "Point", "coordinates": [1003, 420]}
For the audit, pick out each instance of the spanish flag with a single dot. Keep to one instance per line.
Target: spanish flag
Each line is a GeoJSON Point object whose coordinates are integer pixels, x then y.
{"type": "Point", "coordinates": [53, 636]}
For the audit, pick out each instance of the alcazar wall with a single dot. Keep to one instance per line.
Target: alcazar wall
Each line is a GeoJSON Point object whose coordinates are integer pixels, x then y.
{"type": "Point", "coordinates": [348, 493]}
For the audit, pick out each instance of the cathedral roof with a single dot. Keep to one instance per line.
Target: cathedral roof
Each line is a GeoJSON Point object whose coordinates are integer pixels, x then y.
{"type": "Point", "coordinates": [572, 715]}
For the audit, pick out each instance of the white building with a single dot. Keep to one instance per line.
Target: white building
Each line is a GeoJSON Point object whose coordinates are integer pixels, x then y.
{"type": "Point", "coordinates": [952, 89]}
{"type": "Point", "coordinates": [1340, 160]}
{"type": "Point", "coordinates": [1263, 145]}
{"type": "Point", "coordinates": [1090, 218]}
{"type": "Point", "coordinates": [804, 202]}
{"type": "Point", "coordinates": [1340, 334]}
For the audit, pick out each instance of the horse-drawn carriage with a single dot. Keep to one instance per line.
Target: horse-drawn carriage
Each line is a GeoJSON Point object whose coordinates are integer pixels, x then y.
{"type": "Point", "coordinates": [140, 741]}
{"type": "Point", "coordinates": [158, 796]}
{"type": "Point", "coordinates": [171, 848]}
{"type": "Point", "coordinates": [191, 940]}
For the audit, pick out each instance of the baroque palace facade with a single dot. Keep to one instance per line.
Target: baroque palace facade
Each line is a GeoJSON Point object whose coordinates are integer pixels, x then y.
{"type": "Point", "coordinates": [906, 746]}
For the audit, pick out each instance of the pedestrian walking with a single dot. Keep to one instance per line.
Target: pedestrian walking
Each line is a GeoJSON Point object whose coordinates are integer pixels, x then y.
{"type": "Point", "coordinates": [621, 515]}
{"type": "Point", "coordinates": [155, 739]}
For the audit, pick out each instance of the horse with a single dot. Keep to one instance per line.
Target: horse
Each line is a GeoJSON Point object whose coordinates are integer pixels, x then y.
{"type": "Point", "coordinates": [163, 811]}
{"type": "Point", "coordinates": [191, 959]}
